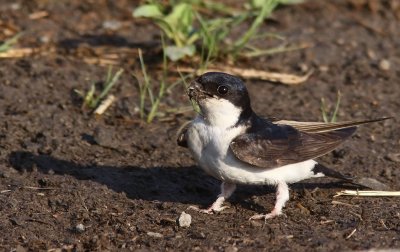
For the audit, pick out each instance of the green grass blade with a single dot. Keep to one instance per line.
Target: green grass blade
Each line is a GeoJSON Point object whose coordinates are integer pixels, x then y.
{"type": "Point", "coordinates": [88, 100]}
{"type": "Point", "coordinates": [108, 86]}
{"type": "Point", "coordinates": [143, 87]}
{"type": "Point", "coordinates": [109, 74]}
{"type": "Point", "coordinates": [335, 112]}
{"type": "Point", "coordinates": [155, 105]}
{"type": "Point", "coordinates": [266, 10]}
{"type": "Point", "coordinates": [6, 45]}
{"type": "Point", "coordinates": [323, 111]}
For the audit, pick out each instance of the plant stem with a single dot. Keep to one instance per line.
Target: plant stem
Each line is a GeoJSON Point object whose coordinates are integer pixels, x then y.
{"type": "Point", "coordinates": [143, 89]}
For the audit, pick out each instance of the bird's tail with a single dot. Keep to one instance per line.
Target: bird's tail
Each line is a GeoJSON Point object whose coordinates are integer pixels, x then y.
{"type": "Point", "coordinates": [362, 182]}
{"type": "Point", "coordinates": [319, 168]}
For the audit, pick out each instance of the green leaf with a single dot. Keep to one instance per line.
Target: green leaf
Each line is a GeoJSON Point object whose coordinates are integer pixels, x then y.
{"type": "Point", "coordinates": [257, 4]}
{"type": "Point", "coordinates": [165, 27]}
{"type": "Point", "coordinates": [180, 20]}
{"type": "Point", "coordinates": [148, 10]}
{"type": "Point", "coordinates": [181, 15]}
{"type": "Point", "coordinates": [175, 53]}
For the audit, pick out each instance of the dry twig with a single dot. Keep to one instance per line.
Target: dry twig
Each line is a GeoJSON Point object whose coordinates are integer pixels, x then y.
{"type": "Point", "coordinates": [39, 188]}
{"type": "Point", "coordinates": [104, 105]}
{"type": "Point", "coordinates": [335, 202]}
{"type": "Point", "coordinates": [18, 52]}
{"type": "Point", "coordinates": [351, 234]}
{"type": "Point", "coordinates": [38, 15]}
{"type": "Point", "coordinates": [249, 73]}
{"type": "Point", "coordinates": [368, 193]}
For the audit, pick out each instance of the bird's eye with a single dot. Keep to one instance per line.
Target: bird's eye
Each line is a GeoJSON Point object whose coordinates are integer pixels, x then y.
{"type": "Point", "coordinates": [222, 90]}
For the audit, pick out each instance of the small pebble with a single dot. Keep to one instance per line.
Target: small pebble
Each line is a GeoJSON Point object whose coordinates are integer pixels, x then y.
{"type": "Point", "coordinates": [184, 220]}
{"type": "Point", "coordinates": [303, 67]}
{"type": "Point", "coordinates": [394, 157]}
{"type": "Point", "coordinates": [384, 65]}
{"type": "Point", "coordinates": [371, 54]}
{"type": "Point", "coordinates": [340, 41]}
{"type": "Point", "coordinates": [15, 6]}
{"type": "Point", "coordinates": [44, 39]}
{"type": "Point", "coordinates": [112, 25]}
{"type": "Point", "coordinates": [323, 68]}
{"type": "Point", "coordinates": [80, 228]}
{"type": "Point", "coordinates": [155, 235]}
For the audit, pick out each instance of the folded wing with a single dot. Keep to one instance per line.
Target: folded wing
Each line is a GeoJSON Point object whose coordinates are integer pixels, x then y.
{"type": "Point", "coordinates": [288, 142]}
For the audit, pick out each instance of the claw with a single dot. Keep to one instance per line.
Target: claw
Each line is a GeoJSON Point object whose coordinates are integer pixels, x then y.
{"type": "Point", "coordinates": [282, 195]}
{"type": "Point", "coordinates": [211, 210]}
{"type": "Point", "coordinates": [270, 215]}
{"type": "Point", "coordinates": [226, 191]}
{"type": "Point", "coordinates": [257, 217]}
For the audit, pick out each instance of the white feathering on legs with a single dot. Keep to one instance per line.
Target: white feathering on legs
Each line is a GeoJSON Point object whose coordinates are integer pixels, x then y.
{"type": "Point", "coordinates": [226, 191]}
{"type": "Point", "coordinates": [282, 195]}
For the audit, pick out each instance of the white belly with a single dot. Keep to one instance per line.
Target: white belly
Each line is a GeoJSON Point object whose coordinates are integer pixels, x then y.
{"type": "Point", "coordinates": [210, 148]}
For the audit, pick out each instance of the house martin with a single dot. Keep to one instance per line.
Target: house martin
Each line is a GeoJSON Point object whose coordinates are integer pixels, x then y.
{"type": "Point", "coordinates": [236, 146]}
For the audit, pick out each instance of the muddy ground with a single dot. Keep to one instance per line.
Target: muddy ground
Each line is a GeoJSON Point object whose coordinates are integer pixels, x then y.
{"type": "Point", "coordinates": [70, 180]}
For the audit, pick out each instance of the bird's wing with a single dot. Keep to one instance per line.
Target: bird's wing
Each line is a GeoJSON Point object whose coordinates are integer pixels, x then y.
{"type": "Point", "coordinates": [288, 142]}
{"type": "Point", "coordinates": [319, 127]}
{"type": "Point", "coordinates": [181, 138]}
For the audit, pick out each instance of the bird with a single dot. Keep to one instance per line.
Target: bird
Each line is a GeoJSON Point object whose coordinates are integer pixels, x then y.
{"type": "Point", "coordinates": [233, 144]}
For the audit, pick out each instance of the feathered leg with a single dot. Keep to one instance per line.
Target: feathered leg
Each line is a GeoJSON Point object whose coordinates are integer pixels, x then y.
{"type": "Point", "coordinates": [282, 195]}
{"type": "Point", "coordinates": [226, 191]}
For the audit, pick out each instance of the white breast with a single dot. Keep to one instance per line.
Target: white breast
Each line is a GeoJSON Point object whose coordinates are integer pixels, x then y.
{"type": "Point", "coordinates": [209, 144]}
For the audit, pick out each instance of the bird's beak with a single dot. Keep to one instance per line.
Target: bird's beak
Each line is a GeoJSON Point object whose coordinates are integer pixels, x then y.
{"type": "Point", "coordinates": [194, 89]}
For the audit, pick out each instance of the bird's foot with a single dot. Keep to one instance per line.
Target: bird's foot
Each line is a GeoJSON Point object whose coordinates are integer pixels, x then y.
{"type": "Point", "coordinates": [211, 210]}
{"type": "Point", "coordinates": [270, 215]}
{"type": "Point", "coordinates": [226, 191]}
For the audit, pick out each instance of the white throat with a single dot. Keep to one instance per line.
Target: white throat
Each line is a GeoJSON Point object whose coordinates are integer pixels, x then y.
{"type": "Point", "coordinates": [220, 113]}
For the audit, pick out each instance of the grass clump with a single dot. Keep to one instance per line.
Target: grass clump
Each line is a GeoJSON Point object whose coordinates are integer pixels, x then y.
{"type": "Point", "coordinates": [177, 25]}
{"type": "Point", "coordinates": [328, 116]}
{"type": "Point", "coordinates": [90, 99]}
{"type": "Point", "coordinates": [147, 90]}
{"type": "Point", "coordinates": [188, 25]}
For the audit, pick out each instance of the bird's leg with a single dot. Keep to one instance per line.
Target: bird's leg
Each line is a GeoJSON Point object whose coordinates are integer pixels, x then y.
{"type": "Point", "coordinates": [226, 191]}
{"type": "Point", "coordinates": [282, 195]}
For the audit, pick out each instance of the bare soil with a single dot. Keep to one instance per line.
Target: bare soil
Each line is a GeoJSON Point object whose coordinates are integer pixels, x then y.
{"type": "Point", "coordinates": [70, 180]}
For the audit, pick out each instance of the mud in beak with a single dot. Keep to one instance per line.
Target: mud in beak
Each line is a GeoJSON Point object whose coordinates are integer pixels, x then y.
{"type": "Point", "coordinates": [194, 89]}
{"type": "Point", "coordinates": [196, 92]}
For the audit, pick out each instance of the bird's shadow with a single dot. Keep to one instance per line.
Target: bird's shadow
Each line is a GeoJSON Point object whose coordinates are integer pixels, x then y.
{"type": "Point", "coordinates": [188, 185]}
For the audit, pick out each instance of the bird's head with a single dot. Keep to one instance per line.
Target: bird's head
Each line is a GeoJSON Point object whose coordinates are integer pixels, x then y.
{"type": "Point", "coordinates": [222, 98]}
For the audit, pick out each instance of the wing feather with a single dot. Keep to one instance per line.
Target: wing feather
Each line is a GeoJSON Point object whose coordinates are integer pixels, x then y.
{"type": "Point", "coordinates": [287, 142]}
{"type": "Point", "coordinates": [318, 127]}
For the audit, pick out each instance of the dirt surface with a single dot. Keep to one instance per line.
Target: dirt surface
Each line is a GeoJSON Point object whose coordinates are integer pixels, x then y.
{"type": "Point", "coordinates": [70, 180]}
